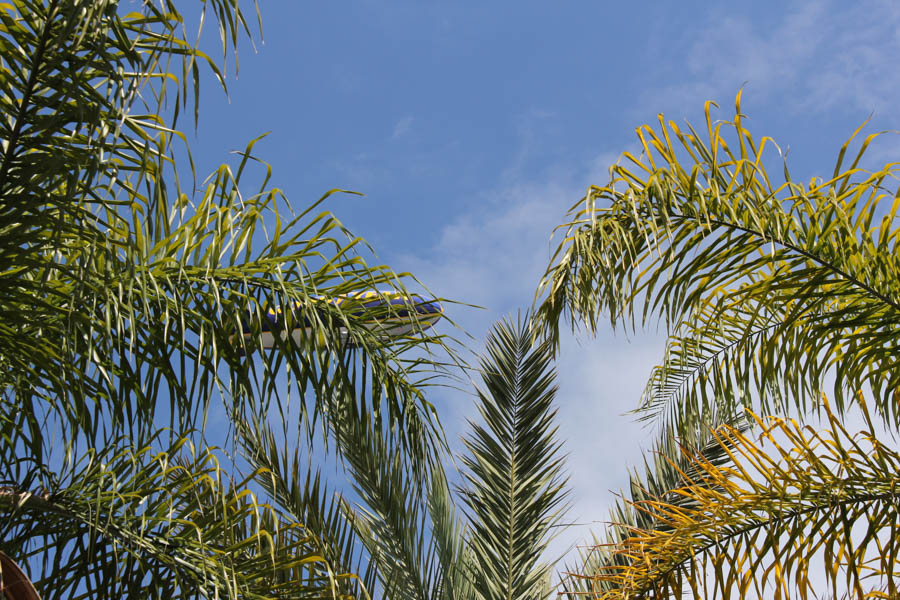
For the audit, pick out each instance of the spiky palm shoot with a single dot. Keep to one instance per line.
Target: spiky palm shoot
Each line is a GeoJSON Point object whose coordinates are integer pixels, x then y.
{"type": "Point", "coordinates": [765, 286]}
{"type": "Point", "coordinates": [513, 493]}
{"type": "Point", "coordinates": [515, 488]}
{"type": "Point", "coordinates": [122, 300]}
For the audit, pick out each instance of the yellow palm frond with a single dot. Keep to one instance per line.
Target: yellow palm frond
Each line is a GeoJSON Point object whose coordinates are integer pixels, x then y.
{"type": "Point", "coordinates": [795, 514]}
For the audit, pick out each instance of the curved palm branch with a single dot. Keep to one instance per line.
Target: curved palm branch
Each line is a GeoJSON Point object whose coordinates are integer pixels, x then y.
{"type": "Point", "coordinates": [794, 510]}
{"type": "Point", "coordinates": [118, 289]}
{"type": "Point", "coordinates": [673, 464]}
{"type": "Point", "coordinates": [303, 494]}
{"type": "Point", "coordinates": [391, 517]}
{"type": "Point", "coordinates": [766, 287]}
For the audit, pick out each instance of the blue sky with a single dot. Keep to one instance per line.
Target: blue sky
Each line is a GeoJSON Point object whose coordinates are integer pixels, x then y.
{"type": "Point", "coordinates": [473, 126]}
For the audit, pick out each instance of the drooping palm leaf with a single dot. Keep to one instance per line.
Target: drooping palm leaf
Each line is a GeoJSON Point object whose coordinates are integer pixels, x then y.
{"type": "Point", "coordinates": [303, 494]}
{"type": "Point", "coordinates": [671, 465]}
{"type": "Point", "coordinates": [124, 300]}
{"type": "Point", "coordinates": [391, 516]}
{"type": "Point", "coordinates": [798, 513]}
{"type": "Point", "coordinates": [172, 524]}
{"type": "Point", "coordinates": [117, 287]}
{"type": "Point", "coordinates": [767, 285]}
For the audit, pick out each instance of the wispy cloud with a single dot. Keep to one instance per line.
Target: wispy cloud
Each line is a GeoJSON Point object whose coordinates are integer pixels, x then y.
{"type": "Point", "coordinates": [818, 56]}
{"type": "Point", "coordinates": [402, 127]}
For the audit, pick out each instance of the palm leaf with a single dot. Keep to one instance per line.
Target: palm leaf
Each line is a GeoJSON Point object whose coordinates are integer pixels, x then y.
{"type": "Point", "coordinates": [515, 489]}
{"type": "Point", "coordinates": [143, 523]}
{"type": "Point", "coordinates": [766, 287]}
{"type": "Point", "coordinates": [390, 518]}
{"type": "Point", "coordinates": [123, 304]}
{"type": "Point", "coordinates": [302, 493]}
{"type": "Point", "coordinates": [797, 513]}
{"type": "Point", "coordinates": [673, 464]}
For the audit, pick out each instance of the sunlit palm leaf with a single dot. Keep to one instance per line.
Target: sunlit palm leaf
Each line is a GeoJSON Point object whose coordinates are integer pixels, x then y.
{"type": "Point", "coordinates": [766, 287]}
{"type": "Point", "coordinates": [124, 300]}
{"type": "Point", "coordinates": [672, 464]}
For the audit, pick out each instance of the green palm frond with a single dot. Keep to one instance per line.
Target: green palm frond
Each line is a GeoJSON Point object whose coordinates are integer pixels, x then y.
{"type": "Point", "coordinates": [391, 516]}
{"type": "Point", "coordinates": [127, 304]}
{"type": "Point", "coordinates": [171, 524]}
{"type": "Point", "coordinates": [797, 513]}
{"type": "Point", "coordinates": [117, 288]}
{"type": "Point", "coordinates": [301, 492]}
{"type": "Point", "coordinates": [77, 164]}
{"type": "Point", "coordinates": [515, 486]}
{"type": "Point", "coordinates": [450, 535]}
{"type": "Point", "coordinates": [766, 285]}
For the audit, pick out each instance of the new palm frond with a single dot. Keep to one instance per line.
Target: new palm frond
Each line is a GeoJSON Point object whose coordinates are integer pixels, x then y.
{"type": "Point", "coordinates": [766, 284]}
{"type": "Point", "coordinates": [515, 489]}
{"type": "Point", "coordinates": [796, 513]}
{"type": "Point", "coordinates": [513, 492]}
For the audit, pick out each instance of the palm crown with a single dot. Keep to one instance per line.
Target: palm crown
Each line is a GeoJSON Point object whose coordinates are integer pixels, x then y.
{"type": "Point", "coordinates": [768, 287]}
{"type": "Point", "coordinates": [123, 297]}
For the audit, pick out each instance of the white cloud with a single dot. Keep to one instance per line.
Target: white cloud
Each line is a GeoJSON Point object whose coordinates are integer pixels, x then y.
{"type": "Point", "coordinates": [818, 57]}
{"type": "Point", "coordinates": [402, 127]}
{"type": "Point", "coordinates": [494, 255]}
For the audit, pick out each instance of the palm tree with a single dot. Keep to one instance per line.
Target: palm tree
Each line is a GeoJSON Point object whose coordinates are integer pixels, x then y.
{"type": "Point", "coordinates": [768, 287]}
{"type": "Point", "coordinates": [132, 314]}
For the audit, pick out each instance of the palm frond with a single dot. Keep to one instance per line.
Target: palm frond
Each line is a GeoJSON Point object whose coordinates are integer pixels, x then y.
{"type": "Point", "coordinates": [118, 289]}
{"type": "Point", "coordinates": [672, 464]}
{"type": "Point", "coordinates": [450, 535]}
{"type": "Point", "coordinates": [127, 304]}
{"type": "Point", "coordinates": [515, 486]}
{"type": "Point", "coordinates": [794, 514]}
{"type": "Point", "coordinates": [391, 516]}
{"type": "Point", "coordinates": [765, 287]}
{"type": "Point", "coordinates": [172, 524]}
{"type": "Point", "coordinates": [303, 494]}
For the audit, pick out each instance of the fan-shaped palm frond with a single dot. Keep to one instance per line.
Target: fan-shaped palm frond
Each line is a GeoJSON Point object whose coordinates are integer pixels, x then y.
{"type": "Point", "coordinates": [515, 488]}
{"type": "Point", "coordinates": [797, 513]}
{"type": "Point", "coordinates": [765, 286]}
